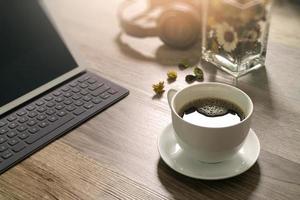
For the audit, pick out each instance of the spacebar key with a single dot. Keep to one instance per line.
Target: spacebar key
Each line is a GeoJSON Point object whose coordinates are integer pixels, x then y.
{"type": "Point", "coordinates": [49, 129]}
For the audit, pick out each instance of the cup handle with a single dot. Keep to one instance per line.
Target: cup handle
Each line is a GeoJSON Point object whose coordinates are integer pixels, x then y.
{"type": "Point", "coordinates": [170, 95]}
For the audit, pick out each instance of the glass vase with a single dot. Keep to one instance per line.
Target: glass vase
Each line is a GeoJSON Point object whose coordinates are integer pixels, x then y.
{"type": "Point", "coordinates": [235, 34]}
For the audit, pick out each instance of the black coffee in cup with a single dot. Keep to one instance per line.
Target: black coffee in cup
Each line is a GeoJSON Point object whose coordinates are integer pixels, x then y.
{"type": "Point", "coordinates": [212, 112]}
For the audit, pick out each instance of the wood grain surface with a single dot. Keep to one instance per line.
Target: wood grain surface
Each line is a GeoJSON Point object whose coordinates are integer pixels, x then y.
{"type": "Point", "coordinates": [114, 155]}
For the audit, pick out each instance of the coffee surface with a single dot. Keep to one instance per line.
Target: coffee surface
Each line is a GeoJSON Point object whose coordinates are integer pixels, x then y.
{"type": "Point", "coordinates": [212, 112]}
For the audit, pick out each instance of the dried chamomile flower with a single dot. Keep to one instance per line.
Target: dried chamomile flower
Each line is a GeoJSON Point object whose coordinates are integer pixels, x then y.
{"type": "Point", "coordinates": [227, 37]}
{"type": "Point", "coordinates": [190, 78]}
{"type": "Point", "coordinates": [159, 87]}
{"type": "Point", "coordinates": [198, 73]}
{"type": "Point", "coordinates": [172, 75]}
{"type": "Point", "coordinates": [184, 63]}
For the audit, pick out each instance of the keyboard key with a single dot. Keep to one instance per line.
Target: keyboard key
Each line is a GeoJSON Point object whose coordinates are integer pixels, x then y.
{"type": "Point", "coordinates": [13, 125]}
{"type": "Point", "coordinates": [33, 130]}
{"type": "Point", "coordinates": [11, 134]}
{"type": "Point", "coordinates": [70, 108]}
{"type": "Point", "coordinates": [23, 119]}
{"type": "Point", "coordinates": [59, 99]}
{"type": "Point", "coordinates": [43, 124]}
{"type": "Point", "coordinates": [68, 94]}
{"type": "Point", "coordinates": [32, 114]}
{"type": "Point", "coordinates": [88, 105]}
{"type": "Point", "coordinates": [40, 103]}
{"type": "Point", "coordinates": [2, 139]}
{"type": "Point", "coordinates": [87, 98]}
{"type": "Point", "coordinates": [50, 104]}
{"type": "Point", "coordinates": [78, 103]}
{"type": "Point", "coordinates": [61, 113]}
{"type": "Point", "coordinates": [3, 130]}
{"type": "Point", "coordinates": [2, 123]}
{"type": "Point", "coordinates": [20, 146]}
{"type": "Point", "coordinates": [3, 147]}
{"type": "Point", "coordinates": [13, 141]}
{"type": "Point", "coordinates": [83, 85]}
{"type": "Point", "coordinates": [59, 107]}
{"type": "Point", "coordinates": [53, 118]}
{"type": "Point", "coordinates": [22, 128]}
{"type": "Point", "coordinates": [57, 93]}
{"type": "Point", "coordinates": [6, 154]}
{"type": "Point", "coordinates": [95, 86]}
{"type": "Point", "coordinates": [75, 90]}
{"type": "Point", "coordinates": [92, 81]}
{"type": "Point", "coordinates": [48, 98]}
{"type": "Point", "coordinates": [41, 109]}
{"type": "Point", "coordinates": [73, 84]}
{"type": "Point", "coordinates": [31, 122]}
{"type": "Point", "coordinates": [83, 79]}
{"type": "Point", "coordinates": [84, 92]}
{"type": "Point", "coordinates": [50, 112]}
{"type": "Point", "coordinates": [65, 88]}
{"type": "Point", "coordinates": [79, 111]}
{"type": "Point", "coordinates": [105, 96]}
{"type": "Point", "coordinates": [30, 107]}
{"type": "Point", "coordinates": [68, 102]}
{"type": "Point", "coordinates": [112, 91]}
{"type": "Point", "coordinates": [23, 135]}
{"type": "Point", "coordinates": [97, 100]}
{"type": "Point", "coordinates": [33, 138]}
{"type": "Point", "coordinates": [100, 91]}
{"type": "Point", "coordinates": [76, 97]}
{"type": "Point", "coordinates": [11, 118]}
{"type": "Point", "coordinates": [41, 117]}
{"type": "Point", "coordinates": [21, 112]}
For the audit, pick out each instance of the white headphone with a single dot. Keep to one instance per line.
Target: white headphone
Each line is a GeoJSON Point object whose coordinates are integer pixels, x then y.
{"type": "Point", "coordinates": [176, 22]}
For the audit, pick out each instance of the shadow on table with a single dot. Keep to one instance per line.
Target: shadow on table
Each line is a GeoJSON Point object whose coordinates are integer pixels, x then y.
{"type": "Point", "coordinates": [182, 187]}
{"type": "Point", "coordinates": [168, 56]}
{"type": "Point", "coordinates": [258, 86]}
{"type": "Point", "coordinates": [164, 55]}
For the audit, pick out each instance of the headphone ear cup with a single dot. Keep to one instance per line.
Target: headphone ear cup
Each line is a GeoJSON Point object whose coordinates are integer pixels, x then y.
{"type": "Point", "coordinates": [179, 25]}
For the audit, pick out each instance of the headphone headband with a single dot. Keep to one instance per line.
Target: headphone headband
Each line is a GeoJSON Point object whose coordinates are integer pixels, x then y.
{"type": "Point", "coordinates": [131, 27]}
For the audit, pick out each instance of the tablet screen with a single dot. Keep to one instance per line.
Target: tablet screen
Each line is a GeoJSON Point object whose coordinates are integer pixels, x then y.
{"type": "Point", "coordinates": [31, 51]}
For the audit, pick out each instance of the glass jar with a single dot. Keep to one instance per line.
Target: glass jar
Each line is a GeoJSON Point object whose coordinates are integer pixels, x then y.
{"type": "Point", "coordinates": [235, 34]}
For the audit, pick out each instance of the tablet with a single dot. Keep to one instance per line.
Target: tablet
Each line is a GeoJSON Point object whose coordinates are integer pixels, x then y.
{"type": "Point", "coordinates": [33, 56]}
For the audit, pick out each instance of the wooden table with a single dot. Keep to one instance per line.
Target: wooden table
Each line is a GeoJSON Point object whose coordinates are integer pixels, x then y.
{"type": "Point", "coordinates": [114, 155]}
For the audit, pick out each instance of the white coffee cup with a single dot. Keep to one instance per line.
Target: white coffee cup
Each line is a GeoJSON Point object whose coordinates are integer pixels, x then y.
{"type": "Point", "coordinates": [210, 144]}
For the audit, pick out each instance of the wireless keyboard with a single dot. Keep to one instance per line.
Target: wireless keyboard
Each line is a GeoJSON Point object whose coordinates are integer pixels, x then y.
{"type": "Point", "coordinates": [33, 126]}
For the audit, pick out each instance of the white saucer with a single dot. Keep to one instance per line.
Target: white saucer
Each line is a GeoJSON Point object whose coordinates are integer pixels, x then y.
{"type": "Point", "coordinates": [177, 159]}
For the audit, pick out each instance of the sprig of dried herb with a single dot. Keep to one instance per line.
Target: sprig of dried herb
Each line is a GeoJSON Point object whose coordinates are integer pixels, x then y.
{"type": "Point", "coordinates": [190, 78]}
{"type": "Point", "coordinates": [159, 87]}
{"type": "Point", "coordinates": [198, 73]}
{"type": "Point", "coordinates": [172, 75]}
{"type": "Point", "coordinates": [184, 63]}
{"type": "Point", "coordinates": [197, 76]}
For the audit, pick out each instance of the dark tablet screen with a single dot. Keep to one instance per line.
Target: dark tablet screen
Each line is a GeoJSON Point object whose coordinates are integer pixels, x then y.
{"type": "Point", "coordinates": [31, 51]}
